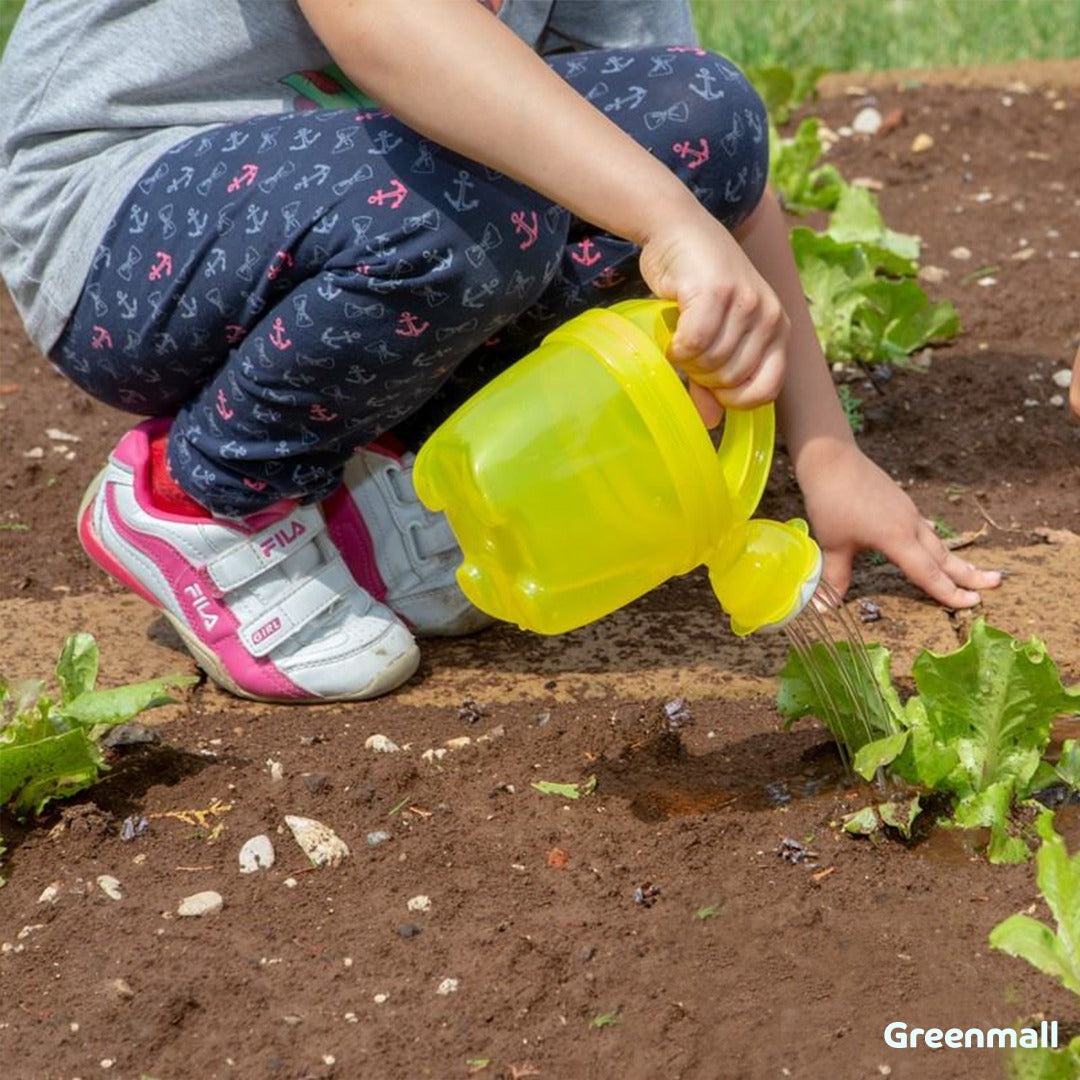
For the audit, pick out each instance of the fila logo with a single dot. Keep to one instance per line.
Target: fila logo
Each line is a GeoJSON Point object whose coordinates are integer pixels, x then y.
{"type": "Point", "coordinates": [203, 605]}
{"type": "Point", "coordinates": [282, 538]}
{"type": "Point", "coordinates": [267, 629]}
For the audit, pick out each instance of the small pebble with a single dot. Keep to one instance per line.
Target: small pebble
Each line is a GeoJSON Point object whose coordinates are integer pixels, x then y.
{"type": "Point", "coordinates": [408, 930]}
{"type": "Point", "coordinates": [379, 836]}
{"type": "Point", "coordinates": [277, 770]}
{"type": "Point", "coordinates": [921, 143]}
{"type": "Point", "coordinates": [121, 989]}
{"type": "Point", "coordinates": [256, 854]}
{"type": "Point", "coordinates": [1062, 378]}
{"type": "Point", "coordinates": [448, 986]}
{"type": "Point", "coordinates": [961, 254]}
{"type": "Point", "coordinates": [419, 903]}
{"type": "Point", "coordinates": [199, 904]}
{"type": "Point", "coordinates": [932, 275]}
{"type": "Point", "coordinates": [381, 999]}
{"type": "Point", "coordinates": [867, 121]}
{"type": "Point", "coordinates": [459, 743]}
{"type": "Point", "coordinates": [1057, 401]}
{"type": "Point", "coordinates": [381, 744]}
{"type": "Point", "coordinates": [319, 842]}
{"type": "Point", "coordinates": [50, 894]}
{"type": "Point", "coordinates": [110, 886]}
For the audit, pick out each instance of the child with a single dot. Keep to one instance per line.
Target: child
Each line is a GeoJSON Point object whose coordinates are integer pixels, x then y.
{"type": "Point", "coordinates": [297, 295]}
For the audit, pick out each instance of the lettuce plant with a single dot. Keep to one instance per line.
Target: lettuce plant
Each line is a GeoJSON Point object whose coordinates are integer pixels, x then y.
{"type": "Point", "coordinates": [49, 747]}
{"type": "Point", "coordinates": [975, 731]}
{"type": "Point", "coordinates": [1055, 952]}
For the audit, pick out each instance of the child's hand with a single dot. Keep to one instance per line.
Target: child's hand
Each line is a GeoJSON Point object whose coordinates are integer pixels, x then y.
{"type": "Point", "coordinates": [853, 505]}
{"type": "Point", "coordinates": [732, 333]}
{"type": "Point", "coordinates": [1074, 387]}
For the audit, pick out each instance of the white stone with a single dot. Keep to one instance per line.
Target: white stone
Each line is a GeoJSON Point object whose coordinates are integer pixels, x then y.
{"type": "Point", "coordinates": [459, 743]}
{"type": "Point", "coordinates": [961, 254]}
{"type": "Point", "coordinates": [381, 744]}
{"type": "Point", "coordinates": [50, 894]}
{"type": "Point", "coordinates": [867, 121]}
{"type": "Point", "coordinates": [110, 886]}
{"type": "Point", "coordinates": [419, 903]}
{"type": "Point", "coordinates": [256, 854]}
{"type": "Point", "coordinates": [319, 842]}
{"type": "Point", "coordinates": [448, 986]}
{"type": "Point", "coordinates": [1062, 378]}
{"type": "Point", "coordinates": [199, 904]}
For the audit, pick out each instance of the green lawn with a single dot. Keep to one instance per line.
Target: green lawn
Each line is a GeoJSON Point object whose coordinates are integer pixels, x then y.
{"type": "Point", "coordinates": [853, 35]}
{"type": "Point", "coordinates": [859, 35]}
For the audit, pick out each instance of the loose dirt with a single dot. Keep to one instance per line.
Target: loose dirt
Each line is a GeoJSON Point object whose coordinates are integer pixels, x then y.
{"type": "Point", "coordinates": [552, 914]}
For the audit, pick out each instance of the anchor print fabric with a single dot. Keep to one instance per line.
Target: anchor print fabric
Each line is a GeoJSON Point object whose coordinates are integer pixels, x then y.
{"type": "Point", "coordinates": [291, 287]}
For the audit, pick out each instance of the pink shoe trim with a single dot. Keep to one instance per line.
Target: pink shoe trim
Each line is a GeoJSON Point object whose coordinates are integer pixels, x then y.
{"type": "Point", "coordinates": [206, 619]}
{"type": "Point", "coordinates": [348, 531]}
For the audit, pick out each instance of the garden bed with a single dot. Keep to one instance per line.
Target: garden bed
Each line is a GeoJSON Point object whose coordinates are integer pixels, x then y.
{"type": "Point", "coordinates": [653, 928]}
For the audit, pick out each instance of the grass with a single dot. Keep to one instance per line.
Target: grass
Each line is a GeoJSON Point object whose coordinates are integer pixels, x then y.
{"type": "Point", "coordinates": [867, 35]}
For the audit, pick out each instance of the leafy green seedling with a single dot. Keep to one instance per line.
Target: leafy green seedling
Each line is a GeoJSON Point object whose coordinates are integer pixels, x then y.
{"type": "Point", "coordinates": [976, 730]}
{"type": "Point", "coordinates": [567, 791]}
{"type": "Point", "coordinates": [49, 748]}
{"type": "Point", "coordinates": [606, 1020]}
{"type": "Point", "coordinates": [1055, 953]}
{"type": "Point", "coordinates": [709, 911]}
{"type": "Point", "coordinates": [794, 171]}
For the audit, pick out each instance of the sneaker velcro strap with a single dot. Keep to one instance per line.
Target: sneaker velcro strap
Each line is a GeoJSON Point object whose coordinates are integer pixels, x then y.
{"type": "Point", "coordinates": [245, 561]}
{"type": "Point", "coordinates": [266, 631]}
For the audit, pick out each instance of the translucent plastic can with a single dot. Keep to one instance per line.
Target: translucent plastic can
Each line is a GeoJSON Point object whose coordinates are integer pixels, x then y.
{"type": "Point", "coordinates": [582, 477]}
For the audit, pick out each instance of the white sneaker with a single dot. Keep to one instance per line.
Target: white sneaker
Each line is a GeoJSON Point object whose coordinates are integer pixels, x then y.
{"type": "Point", "coordinates": [267, 606]}
{"type": "Point", "coordinates": [398, 550]}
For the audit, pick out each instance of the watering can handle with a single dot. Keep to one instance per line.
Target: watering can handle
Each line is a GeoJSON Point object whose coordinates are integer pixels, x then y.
{"type": "Point", "coordinates": [746, 448]}
{"type": "Point", "coordinates": [745, 455]}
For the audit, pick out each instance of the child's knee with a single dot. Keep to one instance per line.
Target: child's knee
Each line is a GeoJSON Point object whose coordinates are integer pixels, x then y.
{"type": "Point", "coordinates": [722, 149]}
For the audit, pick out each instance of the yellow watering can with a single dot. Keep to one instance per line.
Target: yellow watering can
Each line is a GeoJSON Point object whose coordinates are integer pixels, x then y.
{"type": "Point", "coordinates": [582, 477]}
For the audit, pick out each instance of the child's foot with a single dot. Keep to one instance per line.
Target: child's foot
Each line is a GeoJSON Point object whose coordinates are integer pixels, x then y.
{"type": "Point", "coordinates": [267, 606]}
{"type": "Point", "coordinates": [398, 550]}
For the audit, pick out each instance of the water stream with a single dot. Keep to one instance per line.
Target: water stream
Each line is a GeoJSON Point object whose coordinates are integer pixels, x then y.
{"type": "Point", "coordinates": [837, 665]}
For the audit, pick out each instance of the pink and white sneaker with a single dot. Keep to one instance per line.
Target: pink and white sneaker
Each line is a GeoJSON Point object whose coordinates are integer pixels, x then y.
{"type": "Point", "coordinates": [267, 606]}
{"type": "Point", "coordinates": [398, 550]}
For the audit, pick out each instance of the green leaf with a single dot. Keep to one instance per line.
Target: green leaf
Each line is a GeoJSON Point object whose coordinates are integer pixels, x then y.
{"type": "Point", "coordinates": [120, 704]}
{"type": "Point", "coordinates": [993, 699]}
{"type": "Point", "coordinates": [1044, 1063]}
{"type": "Point", "coordinates": [567, 791]}
{"type": "Point", "coordinates": [900, 814]}
{"type": "Point", "coordinates": [858, 706]}
{"type": "Point", "coordinates": [795, 174]}
{"type": "Point", "coordinates": [878, 753]}
{"type": "Point", "coordinates": [51, 768]}
{"type": "Point", "coordinates": [857, 218]}
{"type": "Point", "coordinates": [864, 822]}
{"type": "Point", "coordinates": [77, 668]}
{"type": "Point", "coordinates": [1068, 764]}
{"type": "Point", "coordinates": [1055, 954]}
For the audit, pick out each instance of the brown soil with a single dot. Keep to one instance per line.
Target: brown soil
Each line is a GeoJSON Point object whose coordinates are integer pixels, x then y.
{"type": "Point", "coordinates": [533, 905]}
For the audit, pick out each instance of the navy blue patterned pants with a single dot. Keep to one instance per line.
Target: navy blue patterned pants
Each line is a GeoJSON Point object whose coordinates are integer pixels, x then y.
{"type": "Point", "coordinates": [291, 287]}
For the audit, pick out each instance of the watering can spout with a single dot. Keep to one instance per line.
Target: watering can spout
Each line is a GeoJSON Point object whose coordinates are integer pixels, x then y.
{"type": "Point", "coordinates": [765, 573]}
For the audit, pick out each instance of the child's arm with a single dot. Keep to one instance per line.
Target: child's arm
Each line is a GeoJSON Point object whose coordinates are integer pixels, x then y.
{"type": "Point", "coordinates": [454, 73]}
{"type": "Point", "coordinates": [852, 504]}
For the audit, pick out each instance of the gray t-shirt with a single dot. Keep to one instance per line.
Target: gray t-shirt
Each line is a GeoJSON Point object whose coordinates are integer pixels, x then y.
{"type": "Point", "coordinates": [92, 92]}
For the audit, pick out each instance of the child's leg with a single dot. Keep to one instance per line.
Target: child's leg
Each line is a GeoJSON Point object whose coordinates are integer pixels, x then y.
{"type": "Point", "coordinates": [293, 286]}
{"type": "Point", "coordinates": [693, 109]}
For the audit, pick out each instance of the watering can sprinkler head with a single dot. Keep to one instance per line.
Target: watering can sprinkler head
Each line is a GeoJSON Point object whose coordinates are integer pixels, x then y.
{"type": "Point", "coordinates": [765, 573]}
